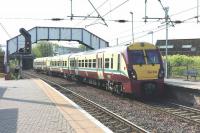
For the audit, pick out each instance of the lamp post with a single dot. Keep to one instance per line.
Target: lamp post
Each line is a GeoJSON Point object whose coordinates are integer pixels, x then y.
{"type": "Point", "coordinates": [132, 26]}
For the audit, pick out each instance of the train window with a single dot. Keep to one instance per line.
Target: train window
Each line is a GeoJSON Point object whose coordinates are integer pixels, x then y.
{"type": "Point", "coordinates": [94, 63]}
{"type": "Point", "coordinates": [72, 63]}
{"type": "Point", "coordinates": [79, 63]}
{"type": "Point", "coordinates": [136, 57]}
{"type": "Point", "coordinates": [101, 63]}
{"type": "Point", "coordinates": [90, 63]}
{"type": "Point", "coordinates": [111, 63]}
{"type": "Point", "coordinates": [106, 62]}
{"type": "Point", "coordinates": [119, 61]}
{"type": "Point", "coordinates": [152, 56]}
{"type": "Point", "coordinates": [82, 63]}
{"type": "Point", "coordinates": [86, 63]}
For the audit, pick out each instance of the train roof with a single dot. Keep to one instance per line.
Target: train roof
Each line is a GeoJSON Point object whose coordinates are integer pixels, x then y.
{"type": "Point", "coordinates": [118, 49]}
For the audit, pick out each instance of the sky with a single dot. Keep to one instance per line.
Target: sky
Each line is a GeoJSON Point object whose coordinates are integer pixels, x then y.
{"type": "Point", "coordinates": [16, 14]}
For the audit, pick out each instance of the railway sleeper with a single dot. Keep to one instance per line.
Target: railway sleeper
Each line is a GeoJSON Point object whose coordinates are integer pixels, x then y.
{"type": "Point", "coordinates": [100, 116]}
{"type": "Point", "coordinates": [179, 112]}
{"type": "Point", "coordinates": [196, 116]}
{"type": "Point", "coordinates": [96, 113]}
{"type": "Point", "coordinates": [197, 120]}
{"type": "Point", "coordinates": [187, 114]}
{"type": "Point", "coordinates": [106, 118]}
{"type": "Point", "coordinates": [124, 130]}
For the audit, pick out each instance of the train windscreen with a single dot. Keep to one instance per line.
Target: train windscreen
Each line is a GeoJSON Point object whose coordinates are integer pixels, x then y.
{"type": "Point", "coordinates": [152, 56]}
{"type": "Point", "coordinates": [136, 57]}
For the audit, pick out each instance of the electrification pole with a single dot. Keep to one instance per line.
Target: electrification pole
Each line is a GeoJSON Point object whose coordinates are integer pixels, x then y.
{"type": "Point", "coordinates": [166, 43]}
{"type": "Point", "coordinates": [132, 26]}
{"type": "Point", "coordinates": [197, 11]}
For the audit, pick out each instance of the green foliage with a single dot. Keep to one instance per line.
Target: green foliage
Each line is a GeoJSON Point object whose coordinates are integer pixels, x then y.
{"type": "Point", "coordinates": [179, 64]}
{"type": "Point", "coordinates": [181, 60]}
{"type": "Point", "coordinates": [43, 49]}
{"type": "Point", "coordinates": [1, 51]}
{"type": "Point", "coordinates": [12, 65]}
{"type": "Point", "coordinates": [82, 47]}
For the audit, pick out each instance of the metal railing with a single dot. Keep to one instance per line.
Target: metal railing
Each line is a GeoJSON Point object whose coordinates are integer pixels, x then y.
{"type": "Point", "coordinates": [189, 71]}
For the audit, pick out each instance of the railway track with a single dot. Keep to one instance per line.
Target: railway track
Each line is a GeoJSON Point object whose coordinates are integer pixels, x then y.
{"type": "Point", "coordinates": [113, 121]}
{"type": "Point", "coordinates": [183, 112]}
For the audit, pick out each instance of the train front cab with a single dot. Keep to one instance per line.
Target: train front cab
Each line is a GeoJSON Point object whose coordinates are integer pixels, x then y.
{"type": "Point", "coordinates": [145, 69]}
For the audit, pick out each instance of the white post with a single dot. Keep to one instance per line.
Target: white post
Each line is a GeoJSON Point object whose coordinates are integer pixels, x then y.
{"type": "Point", "coordinates": [166, 44]}
{"type": "Point", "coordinates": [132, 26]}
{"type": "Point", "coordinates": [197, 11]}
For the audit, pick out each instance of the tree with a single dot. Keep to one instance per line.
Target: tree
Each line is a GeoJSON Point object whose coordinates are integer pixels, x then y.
{"type": "Point", "coordinates": [43, 49]}
{"type": "Point", "coordinates": [83, 47]}
{"type": "Point", "coordinates": [1, 51]}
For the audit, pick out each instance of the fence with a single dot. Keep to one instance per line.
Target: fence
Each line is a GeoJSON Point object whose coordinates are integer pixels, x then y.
{"type": "Point", "coordinates": [188, 71]}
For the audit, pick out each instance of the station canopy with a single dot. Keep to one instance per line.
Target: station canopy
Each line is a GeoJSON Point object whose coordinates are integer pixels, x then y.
{"type": "Point", "coordinates": [57, 34]}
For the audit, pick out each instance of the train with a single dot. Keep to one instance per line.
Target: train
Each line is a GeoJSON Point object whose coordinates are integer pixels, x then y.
{"type": "Point", "coordinates": [135, 69]}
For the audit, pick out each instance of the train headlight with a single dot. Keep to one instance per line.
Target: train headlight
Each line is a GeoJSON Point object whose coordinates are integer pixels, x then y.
{"type": "Point", "coordinates": [132, 74]}
{"type": "Point", "coordinates": [161, 73]}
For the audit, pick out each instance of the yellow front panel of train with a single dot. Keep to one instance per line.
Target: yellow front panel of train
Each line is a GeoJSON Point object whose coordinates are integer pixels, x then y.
{"type": "Point", "coordinates": [145, 72]}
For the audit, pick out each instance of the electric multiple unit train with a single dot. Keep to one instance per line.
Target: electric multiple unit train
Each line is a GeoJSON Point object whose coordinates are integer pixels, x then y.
{"type": "Point", "coordinates": [134, 69]}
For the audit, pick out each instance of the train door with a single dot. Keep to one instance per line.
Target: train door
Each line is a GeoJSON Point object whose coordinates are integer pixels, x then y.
{"type": "Point", "coordinates": [100, 66]}
{"type": "Point", "coordinates": [76, 65]}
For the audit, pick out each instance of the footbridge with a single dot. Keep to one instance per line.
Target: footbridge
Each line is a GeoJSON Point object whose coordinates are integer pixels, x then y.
{"type": "Point", "coordinates": [81, 35]}
{"type": "Point", "coordinates": [18, 46]}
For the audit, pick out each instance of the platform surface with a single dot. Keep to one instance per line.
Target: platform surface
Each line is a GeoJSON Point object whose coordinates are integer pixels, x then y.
{"type": "Point", "coordinates": [32, 106]}
{"type": "Point", "coordinates": [183, 83]}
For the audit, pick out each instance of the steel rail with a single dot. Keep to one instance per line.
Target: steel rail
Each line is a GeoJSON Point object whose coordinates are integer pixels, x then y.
{"type": "Point", "coordinates": [180, 111]}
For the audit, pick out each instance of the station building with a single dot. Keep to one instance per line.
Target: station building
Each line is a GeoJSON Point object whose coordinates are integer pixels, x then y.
{"type": "Point", "coordinates": [180, 46]}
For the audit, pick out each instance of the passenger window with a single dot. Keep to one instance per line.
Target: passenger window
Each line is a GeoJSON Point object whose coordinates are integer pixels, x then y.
{"type": "Point", "coordinates": [90, 63]}
{"type": "Point", "coordinates": [94, 63]}
{"type": "Point", "coordinates": [86, 63]}
{"type": "Point", "coordinates": [79, 63]}
{"type": "Point", "coordinates": [106, 62]}
{"type": "Point", "coordinates": [82, 63]}
{"type": "Point", "coordinates": [111, 63]}
{"type": "Point", "coordinates": [119, 61]}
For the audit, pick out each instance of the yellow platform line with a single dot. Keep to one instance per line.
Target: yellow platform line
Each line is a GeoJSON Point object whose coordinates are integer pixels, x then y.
{"type": "Point", "coordinates": [76, 119]}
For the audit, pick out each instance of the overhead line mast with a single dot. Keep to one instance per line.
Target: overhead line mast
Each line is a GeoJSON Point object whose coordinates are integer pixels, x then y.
{"type": "Point", "coordinates": [167, 20]}
{"type": "Point", "coordinates": [99, 16]}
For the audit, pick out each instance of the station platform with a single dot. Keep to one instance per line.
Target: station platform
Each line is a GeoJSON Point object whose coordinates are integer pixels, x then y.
{"type": "Point", "coordinates": [183, 91]}
{"type": "Point", "coordinates": [32, 106]}
{"type": "Point", "coordinates": [183, 83]}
